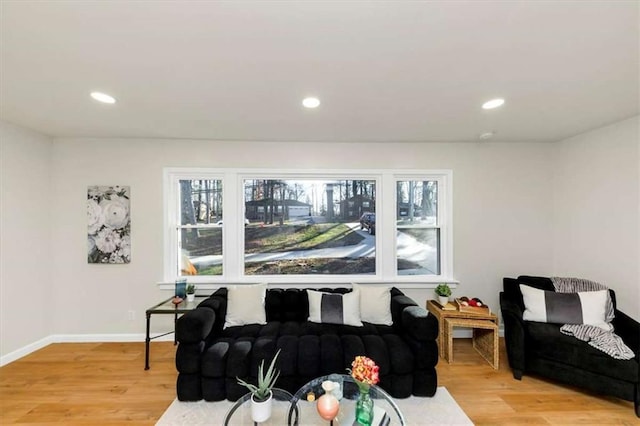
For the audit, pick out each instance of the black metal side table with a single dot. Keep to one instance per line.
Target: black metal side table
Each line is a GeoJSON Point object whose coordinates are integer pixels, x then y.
{"type": "Point", "coordinates": [166, 307]}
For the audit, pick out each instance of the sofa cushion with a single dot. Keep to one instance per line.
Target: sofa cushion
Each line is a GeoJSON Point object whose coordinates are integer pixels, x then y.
{"type": "Point", "coordinates": [574, 352]}
{"type": "Point", "coordinates": [334, 308]}
{"type": "Point", "coordinates": [589, 307]}
{"type": "Point", "coordinates": [305, 328]}
{"type": "Point", "coordinates": [245, 305]}
{"type": "Point", "coordinates": [375, 303]}
{"type": "Point", "coordinates": [289, 304]}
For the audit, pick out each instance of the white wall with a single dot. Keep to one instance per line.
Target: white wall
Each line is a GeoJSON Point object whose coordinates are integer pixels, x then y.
{"type": "Point", "coordinates": [597, 215]}
{"type": "Point", "coordinates": [502, 214]}
{"type": "Point", "coordinates": [25, 238]}
{"type": "Point", "coordinates": [513, 203]}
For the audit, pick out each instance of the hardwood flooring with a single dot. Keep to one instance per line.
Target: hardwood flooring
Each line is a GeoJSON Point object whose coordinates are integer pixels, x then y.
{"type": "Point", "coordinates": [106, 384]}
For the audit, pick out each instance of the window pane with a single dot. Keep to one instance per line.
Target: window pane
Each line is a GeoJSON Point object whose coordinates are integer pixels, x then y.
{"type": "Point", "coordinates": [418, 238]}
{"type": "Point", "coordinates": [201, 251]}
{"type": "Point", "coordinates": [417, 203]}
{"type": "Point", "coordinates": [200, 201]}
{"type": "Point", "coordinates": [201, 246]}
{"type": "Point", "coordinates": [418, 251]}
{"type": "Point", "coordinates": [308, 227]}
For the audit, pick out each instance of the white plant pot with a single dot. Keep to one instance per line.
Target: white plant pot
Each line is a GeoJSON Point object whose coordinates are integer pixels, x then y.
{"type": "Point", "coordinates": [261, 411]}
{"type": "Point", "coordinates": [191, 297]}
{"type": "Point", "coordinates": [443, 300]}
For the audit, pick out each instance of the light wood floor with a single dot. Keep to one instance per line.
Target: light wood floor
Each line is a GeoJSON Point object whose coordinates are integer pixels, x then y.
{"type": "Point", "coordinates": [105, 384]}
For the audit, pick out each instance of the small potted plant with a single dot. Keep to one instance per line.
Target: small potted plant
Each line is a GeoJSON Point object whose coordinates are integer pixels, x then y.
{"type": "Point", "coordinates": [191, 292]}
{"type": "Point", "coordinates": [262, 395]}
{"type": "Point", "coordinates": [443, 291]}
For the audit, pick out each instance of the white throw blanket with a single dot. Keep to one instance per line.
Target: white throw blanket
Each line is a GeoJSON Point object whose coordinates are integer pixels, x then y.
{"type": "Point", "coordinates": [605, 340]}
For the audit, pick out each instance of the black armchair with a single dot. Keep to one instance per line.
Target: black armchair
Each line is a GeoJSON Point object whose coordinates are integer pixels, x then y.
{"type": "Point", "coordinates": [540, 348]}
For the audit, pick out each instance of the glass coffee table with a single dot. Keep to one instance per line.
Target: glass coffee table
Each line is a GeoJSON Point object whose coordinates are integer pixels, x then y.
{"type": "Point", "coordinates": [240, 413]}
{"type": "Point", "coordinates": [304, 412]}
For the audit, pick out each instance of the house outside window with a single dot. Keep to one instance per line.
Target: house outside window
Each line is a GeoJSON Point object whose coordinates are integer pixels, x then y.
{"type": "Point", "coordinates": [307, 227]}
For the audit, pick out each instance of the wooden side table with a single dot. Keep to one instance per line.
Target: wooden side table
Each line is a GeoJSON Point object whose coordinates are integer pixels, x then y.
{"type": "Point", "coordinates": [485, 338]}
{"type": "Point", "coordinates": [485, 331]}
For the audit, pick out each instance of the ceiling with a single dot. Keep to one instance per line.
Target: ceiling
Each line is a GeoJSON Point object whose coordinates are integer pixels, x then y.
{"type": "Point", "coordinates": [384, 71]}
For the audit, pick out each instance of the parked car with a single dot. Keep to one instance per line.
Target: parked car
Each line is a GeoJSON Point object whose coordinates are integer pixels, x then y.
{"type": "Point", "coordinates": [368, 222]}
{"type": "Point", "coordinates": [372, 224]}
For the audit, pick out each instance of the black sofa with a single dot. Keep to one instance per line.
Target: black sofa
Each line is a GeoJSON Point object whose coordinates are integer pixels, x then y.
{"type": "Point", "coordinates": [540, 348]}
{"type": "Point", "coordinates": [209, 358]}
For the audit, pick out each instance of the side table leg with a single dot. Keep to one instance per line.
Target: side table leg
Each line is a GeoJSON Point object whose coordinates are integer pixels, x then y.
{"type": "Point", "coordinates": [146, 343]}
{"type": "Point", "coordinates": [441, 338]}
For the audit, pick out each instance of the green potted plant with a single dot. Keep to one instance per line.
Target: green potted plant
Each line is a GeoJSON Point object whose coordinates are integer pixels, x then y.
{"type": "Point", "coordinates": [191, 292]}
{"type": "Point", "coordinates": [443, 291]}
{"type": "Point", "coordinates": [261, 394]}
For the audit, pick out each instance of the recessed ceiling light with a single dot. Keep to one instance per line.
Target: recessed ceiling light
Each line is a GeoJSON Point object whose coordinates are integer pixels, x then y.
{"type": "Point", "coordinates": [486, 135]}
{"type": "Point", "coordinates": [493, 103]}
{"type": "Point", "coordinates": [103, 97]}
{"type": "Point", "coordinates": [311, 102]}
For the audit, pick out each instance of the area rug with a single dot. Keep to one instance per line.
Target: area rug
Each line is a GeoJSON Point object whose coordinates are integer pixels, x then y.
{"type": "Point", "coordinates": [442, 409]}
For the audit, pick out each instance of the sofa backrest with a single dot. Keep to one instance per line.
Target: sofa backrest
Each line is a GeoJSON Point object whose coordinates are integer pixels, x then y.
{"type": "Point", "coordinates": [512, 289]}
{"type": "Point", "coordinates": [292, 304]}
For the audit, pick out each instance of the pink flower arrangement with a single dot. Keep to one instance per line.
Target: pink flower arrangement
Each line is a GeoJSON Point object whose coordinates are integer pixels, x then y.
{"type": "Point", "coordinates": [365, 372]}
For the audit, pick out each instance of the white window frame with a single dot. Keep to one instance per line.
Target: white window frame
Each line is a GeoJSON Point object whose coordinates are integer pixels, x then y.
{"type": "Point", "coordinates": [443, 219]}
{"type": "Point", "coordinates": [233, 223]}
{"type": "Point", "coordinates": [172, 178]}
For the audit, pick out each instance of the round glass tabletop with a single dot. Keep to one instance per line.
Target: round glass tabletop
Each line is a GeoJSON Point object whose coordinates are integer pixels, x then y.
{"type": "Point", "coordinates": [303, 409]}
{"type": "Point", "coordinates": [240, 413]}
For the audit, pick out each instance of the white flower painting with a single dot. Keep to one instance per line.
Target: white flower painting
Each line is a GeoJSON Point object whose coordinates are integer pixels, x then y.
{"type": "Point", "coordinates": [108, 224]}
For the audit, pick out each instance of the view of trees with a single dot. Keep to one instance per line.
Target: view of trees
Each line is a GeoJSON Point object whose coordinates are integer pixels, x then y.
{"type": "Point", "coordinates": [417, 199]}
{"type": "Point", "coordinates": [306, 226]}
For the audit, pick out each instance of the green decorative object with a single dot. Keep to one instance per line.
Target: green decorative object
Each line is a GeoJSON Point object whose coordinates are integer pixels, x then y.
{"type": "Point", "coordinates": [443, 290]}
{"type": "Point", "coordinates": [266, 381]}
{"type": "Point", "coordinates": [364, 406]}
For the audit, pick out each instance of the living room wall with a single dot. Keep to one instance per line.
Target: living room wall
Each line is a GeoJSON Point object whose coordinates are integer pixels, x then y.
{"type": "Point", "coordinates": [499, 227]}
{"type": "Point", "coordinates": [597, 209]}
{"type": "Point", "coordinates": [518, 208]}
{"type": "Point", "coordinates": [26, 311]}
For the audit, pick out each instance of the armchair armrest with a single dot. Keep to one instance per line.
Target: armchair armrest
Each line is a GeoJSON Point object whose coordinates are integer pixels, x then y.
{"type": "Point", "coordinates": [194, 326]}
{"type": "Point", "coordinates": [513, 334]}
{"type": "Point", "coordinates": [629, 330]}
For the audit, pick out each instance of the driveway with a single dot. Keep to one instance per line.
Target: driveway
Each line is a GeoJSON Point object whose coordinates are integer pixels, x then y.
{"type": "Point", "coordinates": [409, 249]}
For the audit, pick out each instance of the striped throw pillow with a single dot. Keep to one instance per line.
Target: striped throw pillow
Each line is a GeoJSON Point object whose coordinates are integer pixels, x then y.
{"type": "Point", "coordinates": [332, 308]}
{"type": "Point", "coordinates": [588, 307]}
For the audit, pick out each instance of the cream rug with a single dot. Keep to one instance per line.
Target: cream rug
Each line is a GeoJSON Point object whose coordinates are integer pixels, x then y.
{"type": "Point", "coordinates": [442, 409]}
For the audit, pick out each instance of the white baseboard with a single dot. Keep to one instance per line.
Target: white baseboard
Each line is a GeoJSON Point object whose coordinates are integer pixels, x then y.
{"type": "Point", "coordinates": [78, 338]}
{"type": "Point", "coordinates": [26, 350]}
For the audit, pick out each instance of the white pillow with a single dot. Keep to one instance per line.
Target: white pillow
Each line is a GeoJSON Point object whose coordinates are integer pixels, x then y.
{"type": "Point", "coordinates": [245, 305]}
{"type": "Point", "coordinates": [586, 307]}
{"type": "Point", "coordinates": [334, 308]}
{"type": "Point", "coordinates": [375, 303]}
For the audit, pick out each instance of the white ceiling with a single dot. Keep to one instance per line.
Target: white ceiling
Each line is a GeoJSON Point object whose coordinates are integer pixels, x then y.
{"type": "Point", "coordinates": [384, 71]}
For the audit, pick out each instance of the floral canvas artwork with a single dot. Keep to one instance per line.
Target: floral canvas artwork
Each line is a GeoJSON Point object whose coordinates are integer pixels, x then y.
{"type": "Point", "coordinates": [109, 224]}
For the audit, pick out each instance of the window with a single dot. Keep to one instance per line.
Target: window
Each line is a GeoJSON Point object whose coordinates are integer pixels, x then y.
{"type": "Point", "coordinates": [195, 229]}
{"type": "Point", "coordinates": [324, 225]}
{"type": "Point", "coordinates": [308, 227]}
{"type": "Point", "coordinates": [418, 232]}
